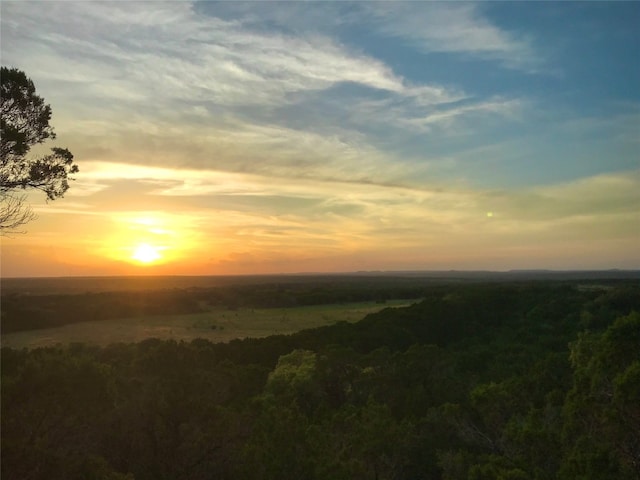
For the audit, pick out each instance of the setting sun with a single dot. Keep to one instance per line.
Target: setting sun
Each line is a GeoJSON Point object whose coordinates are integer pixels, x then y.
{"type": "Point", "coordinates": [146, 253]}
{"type": "Point", "coordinates": [148, 239]}
{"type": "Point", "coordinates": [292, 150]}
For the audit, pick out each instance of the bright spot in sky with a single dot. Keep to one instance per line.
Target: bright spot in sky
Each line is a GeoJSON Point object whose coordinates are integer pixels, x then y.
{"type": "Point", "coordinates": [146, 253]}
{"type": "Point", "coordinates": [489, 214]}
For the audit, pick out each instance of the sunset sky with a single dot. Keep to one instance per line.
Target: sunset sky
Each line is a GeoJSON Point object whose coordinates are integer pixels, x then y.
{"type": "Point", "coordinates": [265, 137]}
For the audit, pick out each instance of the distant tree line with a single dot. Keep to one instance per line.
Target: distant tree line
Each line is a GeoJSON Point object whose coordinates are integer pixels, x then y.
{"type": "Point", "coordinates": [29, 312]}
{"type": "Point", "coordinates": [513, 382]}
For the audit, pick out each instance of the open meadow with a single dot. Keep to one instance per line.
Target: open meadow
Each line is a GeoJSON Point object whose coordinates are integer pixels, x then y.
{"type": "Point", "coordinates": [217, 325]}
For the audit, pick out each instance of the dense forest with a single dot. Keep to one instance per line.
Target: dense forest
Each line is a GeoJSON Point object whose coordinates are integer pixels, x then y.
{"type": "Point", "coordinates": [478, 381]}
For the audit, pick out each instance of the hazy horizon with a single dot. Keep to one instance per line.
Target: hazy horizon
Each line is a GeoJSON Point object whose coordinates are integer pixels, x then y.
{"type": "Point", "coordinates": [259, 138]}
{"type": "Point", "coordinates": [363, 273]}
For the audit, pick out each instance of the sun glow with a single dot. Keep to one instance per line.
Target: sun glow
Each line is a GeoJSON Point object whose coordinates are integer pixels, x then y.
{"type": "Point", "coordinates": [143, 239]}
{"type": "Point", "coordinates": [145, 253]}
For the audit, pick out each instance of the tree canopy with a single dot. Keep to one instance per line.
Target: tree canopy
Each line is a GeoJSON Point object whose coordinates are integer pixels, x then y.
{"type": "Point", "coordinates": [24, 119]}
{"type": "Point", "coordinates": [535, 382]}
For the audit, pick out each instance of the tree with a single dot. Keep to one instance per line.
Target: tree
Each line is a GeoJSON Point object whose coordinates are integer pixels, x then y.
{"type": "Point", "coordinates": [602, 410]}
{"type": "Point", "coordinates": [24, 119]}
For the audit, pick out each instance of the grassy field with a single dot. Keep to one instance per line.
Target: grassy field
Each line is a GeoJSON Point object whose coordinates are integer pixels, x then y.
{"type": "Point", "coordinates": [217, 325]}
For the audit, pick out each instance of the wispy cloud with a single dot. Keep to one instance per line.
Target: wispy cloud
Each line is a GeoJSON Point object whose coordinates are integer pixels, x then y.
{"type": "Point", "coordinates": [445, 117]}
{"type": "Point", "coordinates": [167, 49]}
{"type": "Point", "coordinates": [600, 195]}
{"type": "Point", "coordinates": [453, 27]}
{"type": "Point", "coordinates": [169, 85]}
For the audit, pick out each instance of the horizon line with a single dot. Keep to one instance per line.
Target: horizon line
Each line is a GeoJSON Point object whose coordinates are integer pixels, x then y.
{"type": "Point", "coordinates": [345, 273]}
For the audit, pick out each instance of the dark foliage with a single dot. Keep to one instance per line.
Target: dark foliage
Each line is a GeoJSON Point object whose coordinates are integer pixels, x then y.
{"type": "Point", "coordinates": [525, 381]}
{"type": "Point", "coordinates": [24, 123]}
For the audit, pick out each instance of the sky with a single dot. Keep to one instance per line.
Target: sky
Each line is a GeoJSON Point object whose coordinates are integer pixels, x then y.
{"type": "Point", "coordinates": [284, 137]}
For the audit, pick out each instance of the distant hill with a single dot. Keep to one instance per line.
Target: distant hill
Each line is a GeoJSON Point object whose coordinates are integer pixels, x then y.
{"type": "Point", "coordinates": [69, 285]}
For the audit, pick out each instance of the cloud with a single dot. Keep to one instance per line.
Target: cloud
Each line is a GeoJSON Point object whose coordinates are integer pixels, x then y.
{"type": "Point", "coordinates": [453, 27]}
{"type": "Point", "coordinates": [459, 116]}
{"type": "Point", "coordinates": [143, 50]}
{"type": "Point", "coordinates": [384, 205]}
{"type": "Point", "coordinates": [606, 194]}
{"type": "Point", "coordinates": [137, 52]}
{"type": "Point", "coordinates": [220, 216]}
{"type": "Point", "coordinates": [165, 84]}
{"type": "Point", "coordinates": [432, 27]}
